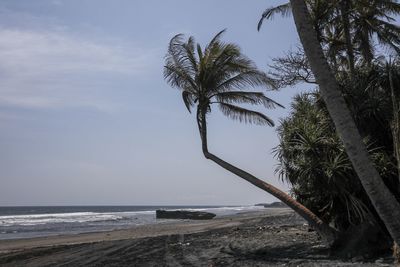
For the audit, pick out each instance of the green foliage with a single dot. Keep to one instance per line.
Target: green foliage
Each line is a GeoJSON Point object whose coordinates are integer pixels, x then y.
{"type": "Point", "coordinates": [371, 25]}
{"type": "Point", "coordinates": [313, 160]}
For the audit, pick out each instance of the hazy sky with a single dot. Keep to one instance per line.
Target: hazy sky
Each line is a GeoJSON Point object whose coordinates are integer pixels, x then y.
{"type": "Point", "coordinates": [86, 117]}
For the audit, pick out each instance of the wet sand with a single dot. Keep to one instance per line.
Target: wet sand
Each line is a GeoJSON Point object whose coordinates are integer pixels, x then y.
{"type": "Point", "coordinates": [274, 237]}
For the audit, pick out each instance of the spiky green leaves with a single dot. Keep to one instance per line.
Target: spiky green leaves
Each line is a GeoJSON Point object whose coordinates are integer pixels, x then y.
{"type": "Point", "coordinates": [188, 100]}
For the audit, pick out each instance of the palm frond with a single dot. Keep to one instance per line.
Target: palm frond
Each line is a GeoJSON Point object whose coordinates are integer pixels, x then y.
{"type": "Point", "coordinates": [284, 10]}
{"type": "Point", "coordinates": [216, 65]}
{"type": "Point", "coordinates": [388, 35]}
{"type": "Point", "coordinates": [246, 78]}
{"type": "Point", "coordinates": [362, 39]}
{"type": "Point", "coordinates": [217, 37]}
{"type": "Point", "coordinates": [199, 52]}
{"type": "Point", "coordinates": [239, 97]}
{"type": "Point", "coordinates": [179, 69]}
{"type": "Point", "coordinates": [188, 99]}
{"type": "Point", "coordinates": [177, 77]}
{"type": "Point", "coordinates": [214, 42]}
{"type": "Point", "coordinates": [389, 6]}
{"type": "Point", "coordinates": [190, 55]}
{"type": "Point", "coordinates": [245, 115]}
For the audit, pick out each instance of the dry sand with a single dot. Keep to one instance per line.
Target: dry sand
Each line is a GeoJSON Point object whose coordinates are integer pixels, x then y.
{"type": "Point", "coordinates": [274, 237]}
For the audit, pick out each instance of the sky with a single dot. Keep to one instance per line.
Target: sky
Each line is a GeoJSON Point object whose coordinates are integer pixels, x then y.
{"type": "Point", "coordinates": [86, 117]}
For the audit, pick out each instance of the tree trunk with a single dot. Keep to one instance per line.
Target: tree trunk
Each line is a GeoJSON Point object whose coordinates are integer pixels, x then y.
{"type": "Point", "coordinates": [344, 12]}
{"type": "Point", "coordinates": [395, 124]}
{"type": "Point", "coordinates": [327, 232]}
{"type": "Point", "coordinates": [384, 202]}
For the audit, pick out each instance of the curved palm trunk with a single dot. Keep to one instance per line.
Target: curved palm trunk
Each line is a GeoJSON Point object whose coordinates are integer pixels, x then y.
{"type": "Point", "coordinates": [384, 202]}
{"type": "Point", "coordinates": [327, 232]}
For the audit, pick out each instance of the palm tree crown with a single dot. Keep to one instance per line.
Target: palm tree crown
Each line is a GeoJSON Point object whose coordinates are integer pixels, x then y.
{"type": "Point", "coordinates": [352, 28]}
{"type": "Point", "coordinates": [220, 74]}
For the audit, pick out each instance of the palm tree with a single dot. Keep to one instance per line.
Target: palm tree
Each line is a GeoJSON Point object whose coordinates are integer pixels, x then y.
{"type": "Point", "coordinates": [358, 24]}
{"type": "Point", "coordinates": [373, 19]}
{"type": "Point", "coordinates": [219, 75]}
{"type": "Point", "coordinates": [384, 202]}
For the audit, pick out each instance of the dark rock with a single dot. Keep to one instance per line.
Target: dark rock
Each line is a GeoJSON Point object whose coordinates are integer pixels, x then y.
{"type": "Point", "coordinates": [275, 205]}
{"type": "Point", "coordinates": [184, 214]}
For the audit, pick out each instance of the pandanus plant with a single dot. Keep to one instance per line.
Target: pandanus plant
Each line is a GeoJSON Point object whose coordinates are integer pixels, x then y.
{"type": "Point", "coordinates": [221, 75]}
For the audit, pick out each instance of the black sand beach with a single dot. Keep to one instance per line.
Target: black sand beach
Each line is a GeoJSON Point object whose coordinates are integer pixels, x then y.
{"type": "Point", "coordinates": [276, 237]}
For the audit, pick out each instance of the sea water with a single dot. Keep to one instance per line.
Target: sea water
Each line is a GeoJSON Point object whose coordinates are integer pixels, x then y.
{"type": "Point", "coordinates": [26, 222]}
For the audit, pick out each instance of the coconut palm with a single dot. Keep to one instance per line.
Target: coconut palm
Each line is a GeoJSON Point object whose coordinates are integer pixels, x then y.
{"type": "Point", "coordinates": [357, 24]}
{"type": "Point", "coordinates": [221, 75]}
{"type": "Point", "coordinates": [382, 199]}
{"type": "Point", "coordinates": [364, 21]}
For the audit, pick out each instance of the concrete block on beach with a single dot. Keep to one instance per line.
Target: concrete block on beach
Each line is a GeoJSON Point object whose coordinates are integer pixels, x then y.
{"type": "Point", "coordinates": [184, 214]}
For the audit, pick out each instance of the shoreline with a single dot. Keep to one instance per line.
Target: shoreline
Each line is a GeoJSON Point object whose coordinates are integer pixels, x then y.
{"type": "Point", "coordinates": [274, 237]}
{"type": "Point", "coordinates": [139, 231]}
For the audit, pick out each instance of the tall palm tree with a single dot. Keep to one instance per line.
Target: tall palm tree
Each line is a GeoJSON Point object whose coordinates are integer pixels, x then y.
{"type": "Point", "coordinates": [220, 74]}
{"type": "Point", "coordinates": [384, 202]}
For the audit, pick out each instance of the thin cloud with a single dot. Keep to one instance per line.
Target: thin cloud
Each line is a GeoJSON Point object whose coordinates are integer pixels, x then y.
{"type": "Point", "coordinates": [49, 69]}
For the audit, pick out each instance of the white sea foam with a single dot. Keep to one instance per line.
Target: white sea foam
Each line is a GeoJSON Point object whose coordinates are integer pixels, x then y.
{"type": "Point", "coordinates": [74, 217]}
{"type": "Point", "coordinates": [125, 217]}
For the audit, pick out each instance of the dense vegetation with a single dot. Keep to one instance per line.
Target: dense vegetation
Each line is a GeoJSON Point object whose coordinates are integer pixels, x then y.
{"type": "Point", "coordinates": [346, 48]}
{"type": "Point", "coordinates": [340, 147]}
{"type": "Point", "coordinates": [314, 162]}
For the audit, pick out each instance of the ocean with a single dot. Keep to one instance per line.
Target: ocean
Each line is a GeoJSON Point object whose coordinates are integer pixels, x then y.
{"type": "Point", "coordinates": [27, 222]}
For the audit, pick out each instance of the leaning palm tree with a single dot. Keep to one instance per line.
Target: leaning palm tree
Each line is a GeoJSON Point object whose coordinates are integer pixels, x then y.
{"type": "Point", "coordinates": [220, 75]}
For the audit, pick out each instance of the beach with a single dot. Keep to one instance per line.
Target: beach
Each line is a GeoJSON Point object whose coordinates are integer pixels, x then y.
{"type": "Point", "coordinates": [273, 237]}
